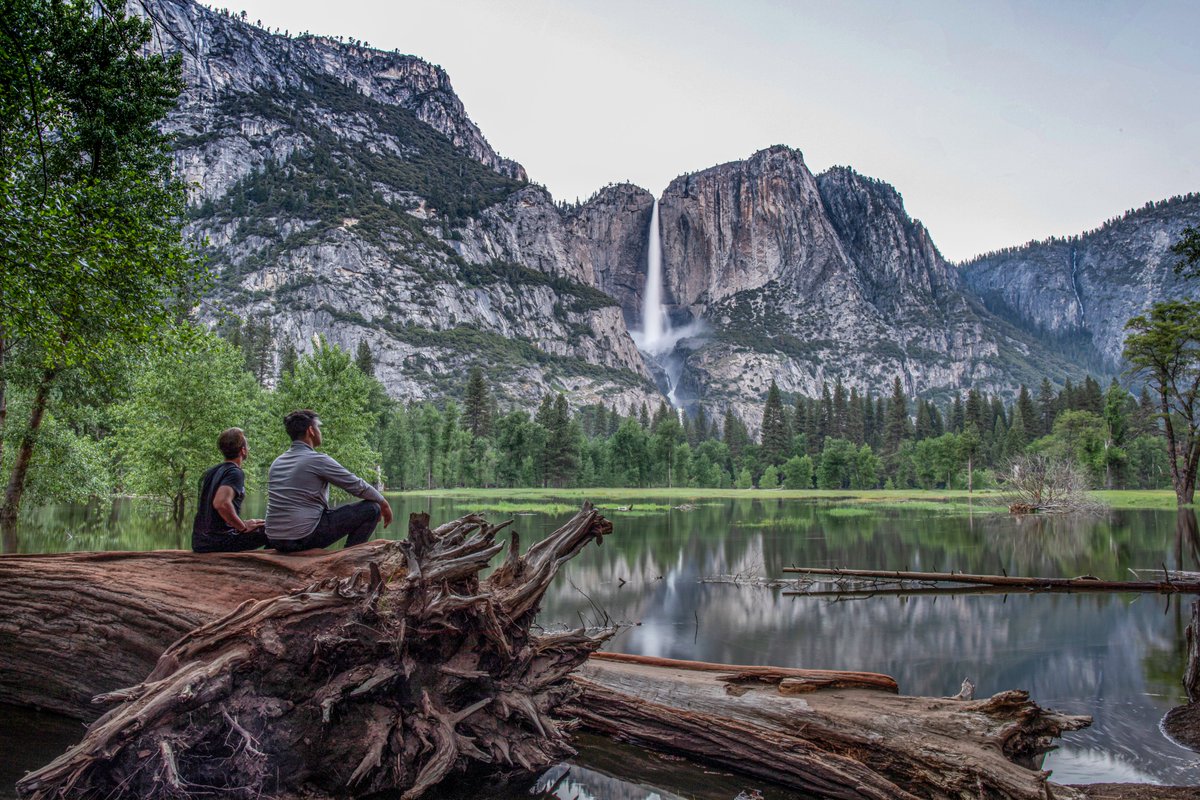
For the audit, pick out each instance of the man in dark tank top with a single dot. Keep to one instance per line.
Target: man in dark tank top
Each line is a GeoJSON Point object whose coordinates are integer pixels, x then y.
{"type": "Point", "coordinates": [218, 527]}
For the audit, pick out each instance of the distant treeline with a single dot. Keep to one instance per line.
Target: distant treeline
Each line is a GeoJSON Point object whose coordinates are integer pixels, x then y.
{"type": "Point", "coordinates": [1074, 239]}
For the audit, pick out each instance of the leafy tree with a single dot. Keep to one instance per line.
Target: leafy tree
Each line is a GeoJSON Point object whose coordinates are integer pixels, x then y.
{"type": "Point", "coordinates": [630, 454]}
{"type": "Point", "coordinates": [769, 479]}
{"type": "Point", "coordinates": [837, 467]}
{"type": "Point", "coordinates": [798, 472]}
{"type": "Point", "coordinates": [1163, 348]}
{"type": "Point", "coordinates": [328, 381]}
{"type": "Point", "coordinates": [667, 438]}
{"type": "Point", "coordinates": [93, 259]}
{"type": "Point", "coordinates": [865, 470]}
{"type": "Point", "coordinates": [180, 401]}
{"type": "Point", "coordinates": [744, 479]}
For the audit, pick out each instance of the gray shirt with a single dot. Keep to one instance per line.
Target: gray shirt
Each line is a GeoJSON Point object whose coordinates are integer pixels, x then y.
{"type": "Point", "coordinates": [298, 490]}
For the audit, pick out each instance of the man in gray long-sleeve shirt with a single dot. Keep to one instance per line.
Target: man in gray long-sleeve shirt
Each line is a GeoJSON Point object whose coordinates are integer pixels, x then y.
{"type": "Point", "coordinates": [298, 512]}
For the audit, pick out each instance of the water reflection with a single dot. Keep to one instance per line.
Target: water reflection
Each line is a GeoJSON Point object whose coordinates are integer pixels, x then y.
{"type": "Point", "coordinates": [1116, 657]}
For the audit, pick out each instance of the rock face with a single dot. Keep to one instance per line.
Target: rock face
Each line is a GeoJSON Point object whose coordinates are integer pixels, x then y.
{"type": "Point", "coordinates": [1080, 291]}
{"type": "Point", "coordinates": [344, 191]}
{"type": "Point", "coordinates": [805, 278]}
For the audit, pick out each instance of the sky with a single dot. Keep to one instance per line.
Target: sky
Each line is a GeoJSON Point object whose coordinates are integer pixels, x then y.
{"type": "Point", "coordinates": [998, 122]}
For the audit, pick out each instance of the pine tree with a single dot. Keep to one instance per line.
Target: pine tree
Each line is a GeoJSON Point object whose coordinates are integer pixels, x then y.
{"type": "Point", "coordinates": [1046, 408]}
{"type": "Point", "coordinates": [644, 417]}
{"type": "Point", "coordinates": [825, 418]}
{"type": "Point", "coordinates": [1089, 397]}
{"type": "Point", "coordinates": [287, 361]}
{"type": "Point", "coordinates": [363, 358]}
{"type": "Point", "coordinates": [958, 415]}
{"type": "Point", "coordinates": [562, 444]}
{"type": "Point", "coordinates": [1028, 412]}
{"type": "Point", "coordinates": [924, 428]}
{"type": "Point", "coordinates": [1017, 437]}
{"type": "Point", "coordinates": [735, 435]}
{"type": "Point", "coordinates": [974, 411]}
{"type": "Point", "coordinates": [898, 427]}
{"type": "Point", "coordinates": [856, 429]}
{"type": "Point", "coordinates": [837, 422]}
{"type": "Point", "coordinates": [477, 410]}
{"type": "Point", "coordinates": [776, 440]}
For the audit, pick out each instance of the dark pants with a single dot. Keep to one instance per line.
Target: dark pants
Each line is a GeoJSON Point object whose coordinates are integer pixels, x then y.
{"type": "Point", "coordinates": [355, 521]}
{"type": "Point", "coordinates": [228, 542]}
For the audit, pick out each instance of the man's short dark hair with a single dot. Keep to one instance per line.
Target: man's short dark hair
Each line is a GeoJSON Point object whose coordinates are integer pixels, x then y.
{"type": "Point", "coordinates": [298, 422]}
{"type": "Point", "coordinates": [231, 442]}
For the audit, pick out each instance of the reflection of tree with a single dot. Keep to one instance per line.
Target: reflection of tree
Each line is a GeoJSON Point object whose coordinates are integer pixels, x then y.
{"type": "Point", "coordinates": [1187, 539]}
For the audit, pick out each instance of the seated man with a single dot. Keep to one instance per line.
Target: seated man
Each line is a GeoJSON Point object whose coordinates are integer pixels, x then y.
{"type": "Point", "coordinates": [298, 512]}
{"type": "Point", "coordinates": [218, 527]}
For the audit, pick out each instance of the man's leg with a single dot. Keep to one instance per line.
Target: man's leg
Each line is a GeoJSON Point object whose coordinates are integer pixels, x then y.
{"type": "Point", "coordinates": [355, 521]}
{"type": "Point", "coordinates": [230, 543]}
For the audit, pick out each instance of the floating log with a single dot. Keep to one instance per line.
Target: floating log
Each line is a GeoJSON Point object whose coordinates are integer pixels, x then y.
{"type": "Point", "coordinates": [1083, 583]}
{"type": "Point", "coordinates": [321, 638]}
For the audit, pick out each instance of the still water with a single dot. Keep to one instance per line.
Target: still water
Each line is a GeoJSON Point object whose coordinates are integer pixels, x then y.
{"type": "Point", "coordinates": [1118, 658]}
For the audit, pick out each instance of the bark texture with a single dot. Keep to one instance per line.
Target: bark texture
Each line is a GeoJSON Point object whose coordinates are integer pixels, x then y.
{"type": "Point", "coordinates": [389, 679]}
{"type": "Point", "coordinates": [843, 744]}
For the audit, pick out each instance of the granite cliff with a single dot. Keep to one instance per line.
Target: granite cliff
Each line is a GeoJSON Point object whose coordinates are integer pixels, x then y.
{"type": "Point", "coordinates": [345, 191]}
{"type": "Point", "coordinates": [1077, 292]}
{"type": "Point", "coordinates": [806, 278]}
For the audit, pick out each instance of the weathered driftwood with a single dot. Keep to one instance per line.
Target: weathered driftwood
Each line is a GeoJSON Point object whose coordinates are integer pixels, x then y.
{"type": "Point", "coordinates": [76, 625]}
{"type": "Point", "coordinates": [90, 605]}
{"type": "Point", "coordinates": [390, 679]}
{"type": "Point", "coordinates": [844, 744]}
{"type": "Point", "coordinates": [1084, 583]}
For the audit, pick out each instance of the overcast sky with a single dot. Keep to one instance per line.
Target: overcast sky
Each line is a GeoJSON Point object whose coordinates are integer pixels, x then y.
{"type": "Point", "coordinates": [997, 122]}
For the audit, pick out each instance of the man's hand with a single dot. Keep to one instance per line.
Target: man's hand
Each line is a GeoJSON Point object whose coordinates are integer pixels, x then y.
{"type": "Point", "coordinates": [253, 525]}
{"type": "Point", "coordinates": [385, 509]}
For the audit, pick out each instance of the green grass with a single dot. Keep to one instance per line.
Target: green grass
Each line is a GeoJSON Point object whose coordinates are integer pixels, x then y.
{"type": "Point", "coordinates": [955, 500]}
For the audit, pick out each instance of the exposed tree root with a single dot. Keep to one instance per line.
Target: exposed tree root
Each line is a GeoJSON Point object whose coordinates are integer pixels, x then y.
{"type": "Point", "coordinates": [391, 678]}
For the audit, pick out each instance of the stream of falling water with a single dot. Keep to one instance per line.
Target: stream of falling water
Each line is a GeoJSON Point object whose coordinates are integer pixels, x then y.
{"type": "Point", "coordinates": [656, 324]}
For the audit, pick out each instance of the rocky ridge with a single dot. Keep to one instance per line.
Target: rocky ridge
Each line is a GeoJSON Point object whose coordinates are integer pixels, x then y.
{"type": "Point", "coordinates": [345, 191]}
{"type": "Point", "coordinates": [1077, 292]}
{"type": "Point", "coordinates": [805, 279]}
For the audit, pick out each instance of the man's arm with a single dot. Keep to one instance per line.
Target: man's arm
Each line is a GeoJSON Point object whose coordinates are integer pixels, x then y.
{"type": "Point", "coordinates": [333, 472]}
{"type": "Point", "coordinates": [223, 505]}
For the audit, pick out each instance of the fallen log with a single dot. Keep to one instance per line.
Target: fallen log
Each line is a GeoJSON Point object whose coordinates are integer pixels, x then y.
{"type": "Point", "coordinates": [52, 602]}
{"type": "Point", "coordinates": [848, 744]}
{"type": "Point", "coordinates": [387, 680]}
{"type": "Point", "coordinates": [1083, 583]}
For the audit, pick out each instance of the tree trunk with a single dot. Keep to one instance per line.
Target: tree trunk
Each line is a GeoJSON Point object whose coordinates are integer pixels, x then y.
{"type": "Point", "coordinates": [3, 394]}
{"type": "Point", "coordinates": [387, 680]}
{"type": "Point", "coordinates": [1085, 583]}
{"type": "Point", "coordinates": [844, 744]}
{"type": "Point", "coordinates": [20, 470]}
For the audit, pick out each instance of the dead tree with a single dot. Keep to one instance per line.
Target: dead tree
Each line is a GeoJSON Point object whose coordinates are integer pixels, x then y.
{"type": "Point", "coordinates": [1037, 483]}
{"type": "Point", "coordinates": [389, 679]}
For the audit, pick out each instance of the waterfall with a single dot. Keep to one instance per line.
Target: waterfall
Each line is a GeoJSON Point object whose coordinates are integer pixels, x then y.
{"type": "Point", "coordinates": [656, 325]}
